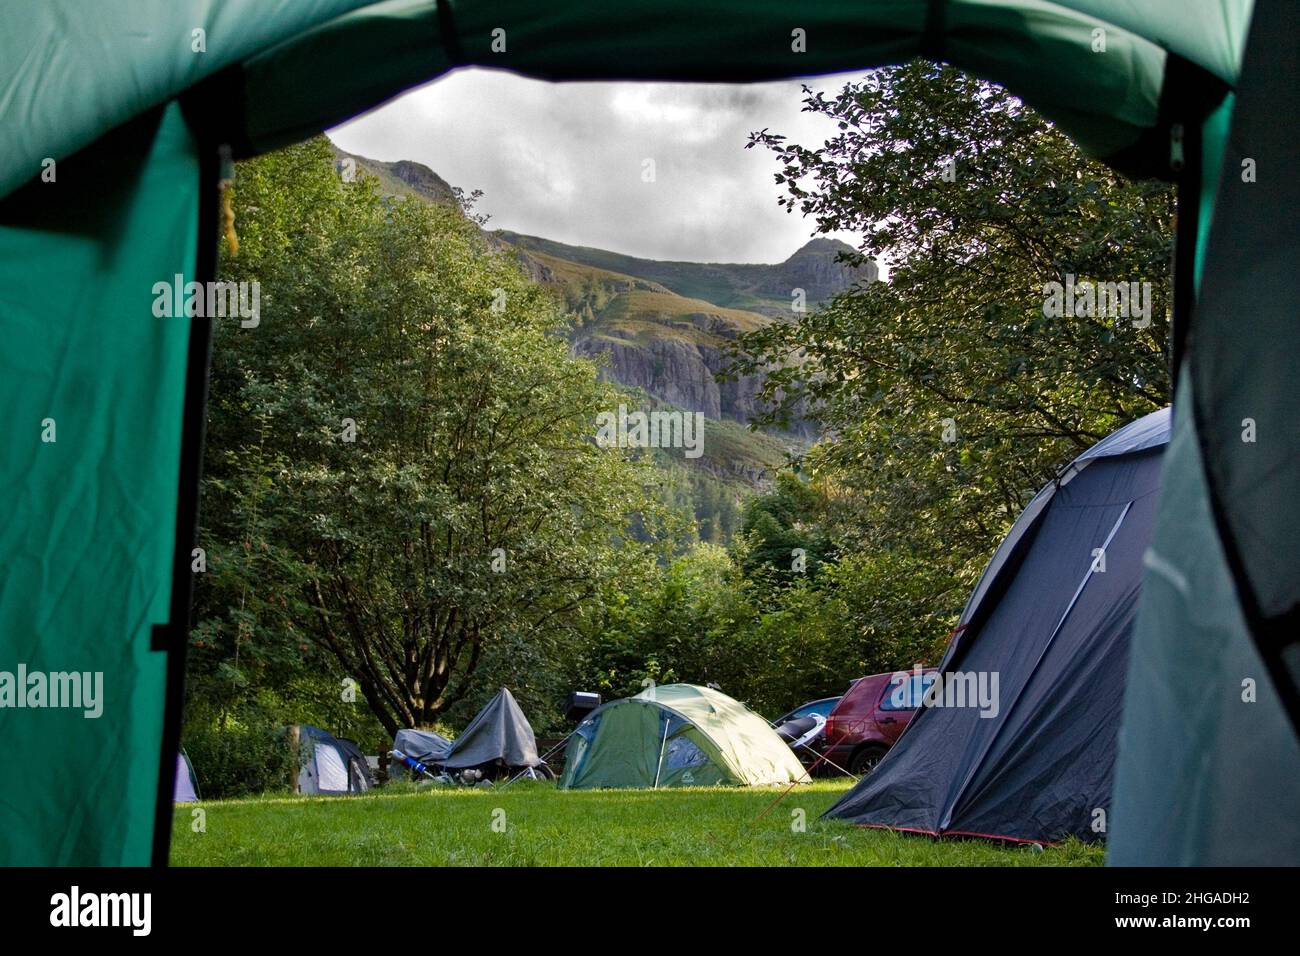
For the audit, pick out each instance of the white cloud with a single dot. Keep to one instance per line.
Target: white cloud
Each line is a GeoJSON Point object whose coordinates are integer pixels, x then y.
{"type": "Point", "coordinates": [564, 160]}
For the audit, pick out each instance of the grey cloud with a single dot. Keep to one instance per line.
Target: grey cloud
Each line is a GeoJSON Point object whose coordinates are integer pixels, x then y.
{"type": "Point", "coordinates": [565, 160]}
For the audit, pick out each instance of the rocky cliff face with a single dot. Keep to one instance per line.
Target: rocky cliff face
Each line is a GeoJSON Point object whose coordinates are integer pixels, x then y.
{"type": "Point", "coordinates": [678, 372]}
{"type": "Point", "coordinates": [815, 269]}
{"type": "Point", "coordinates": [422, 180]}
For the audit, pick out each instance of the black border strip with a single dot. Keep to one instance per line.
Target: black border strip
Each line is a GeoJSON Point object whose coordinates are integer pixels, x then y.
{"type": "Point", "coordinates": [447, 33]}
{"type": "Point", "coordinates": [173, 638]}
{"type": "Point", "coordinates": [1186, 236]}
{"type": "Point", "coordinates": [934, 37]}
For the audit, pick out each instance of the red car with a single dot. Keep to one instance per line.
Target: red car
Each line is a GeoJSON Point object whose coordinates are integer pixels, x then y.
{"type": "Point", "coordinates": [871, 715]}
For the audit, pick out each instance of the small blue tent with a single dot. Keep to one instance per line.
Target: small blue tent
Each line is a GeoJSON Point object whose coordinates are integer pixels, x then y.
{"type": "Point", "coordinates": [330, 766]}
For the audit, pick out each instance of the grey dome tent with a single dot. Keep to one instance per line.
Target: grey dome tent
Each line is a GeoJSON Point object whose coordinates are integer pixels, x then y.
{"type": "Point", "coordinates": [1204, 93]}
{"type": "Point", "coordinates": [329, 765]}
{"type": "Point", "coordinates": [1051, 617]}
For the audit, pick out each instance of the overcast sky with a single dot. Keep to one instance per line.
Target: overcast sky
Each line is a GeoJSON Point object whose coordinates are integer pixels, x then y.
{"type": "Point", "coordinates": [565, 160]}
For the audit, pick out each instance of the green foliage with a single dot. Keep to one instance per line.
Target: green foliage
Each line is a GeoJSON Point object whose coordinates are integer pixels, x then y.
{"type": "Point", "coordinates": [374, 555]}
{"type": "Point", "coordinates": [957, 336]}
{"type": "Point", "coordinates": [743, 619]}
{"type": "Point", "coordinates": [707, 495]}
{"type": "Point", "coordinates": [787, 539]}
{"type": "Point", "coordinates": [239, 748]}
{"type": "Point", "coordinates": [947, 398]}
{"type": "Point", "coordinates": [666, 625]}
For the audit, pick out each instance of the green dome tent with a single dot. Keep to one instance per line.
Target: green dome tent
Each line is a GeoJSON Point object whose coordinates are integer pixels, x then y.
{"type": "Point", "coordinates": [117, 116]}
{"type": "Point", "coordinates": [677, 735]}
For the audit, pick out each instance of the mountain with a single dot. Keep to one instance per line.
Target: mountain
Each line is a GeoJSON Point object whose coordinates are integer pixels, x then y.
{"type": "Point", "coordinates": [665, 327]}
{"type": "Point", "coordinates": [403, 178]}
{"type": "Point", "coordinates": [765, 289]}
{"type": "Point", "coordinates": [662, 330]}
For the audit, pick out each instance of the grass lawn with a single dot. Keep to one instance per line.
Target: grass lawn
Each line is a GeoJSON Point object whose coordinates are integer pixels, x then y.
{"type": "Point", "coordinates": [536, 825]}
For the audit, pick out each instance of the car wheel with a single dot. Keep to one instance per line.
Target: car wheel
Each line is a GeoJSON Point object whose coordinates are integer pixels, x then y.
{"type": "Point", "coordinates": [865, 760]}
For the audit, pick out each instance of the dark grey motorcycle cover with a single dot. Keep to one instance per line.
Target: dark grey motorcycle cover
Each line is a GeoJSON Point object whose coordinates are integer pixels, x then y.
{"type": "Point", "coordinates": [499, 732]}
{"type": "Point", "coordinates": [422, 745]}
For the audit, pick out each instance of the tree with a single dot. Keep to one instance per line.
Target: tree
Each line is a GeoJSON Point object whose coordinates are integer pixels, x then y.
{"type": "Point", "coordinates": [403, 445]}
{"type": "Point", "coordinates": [786, 533]}
{"type": "Point", "coordinates": [948, 395]}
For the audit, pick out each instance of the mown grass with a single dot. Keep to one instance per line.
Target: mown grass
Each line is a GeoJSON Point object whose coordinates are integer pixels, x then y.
{"type": "Point", "coordinates": [536, 825]}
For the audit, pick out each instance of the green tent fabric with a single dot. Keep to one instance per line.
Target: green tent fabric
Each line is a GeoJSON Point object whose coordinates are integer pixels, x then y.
{"type": "Point", "coordinates": [73, 71]}
{"type": "Point", "coordinates": [95, 545]}
{"type": "Point", "coordinates": [677, 735]}
{"type": "Point", "coordinates": [291, 69]}
{"type": "Point", "coordinates": [86, 546]}
{"type": "Point", "coordinates": [1105, 101]}
{"type": "Point", "coordinates": [1209, 768]}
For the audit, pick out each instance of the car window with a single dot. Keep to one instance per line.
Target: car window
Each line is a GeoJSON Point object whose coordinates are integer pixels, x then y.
{"type": "Point", "coordinates": [904, 692]}
{"type": "Point", "coordinates": [859, 695]}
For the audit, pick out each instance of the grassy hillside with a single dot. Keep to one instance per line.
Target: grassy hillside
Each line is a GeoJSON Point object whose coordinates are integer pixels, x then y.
{"type": "Point", "coordinates": [732, 286]}
{"type": "Point", "coordinates": [762, 288]}
{"type": "Point", "coordinates": [694, 318]}
{"type": "Point", "coordinates": [583, 284]}
{"type": "Point", "coordinates": [613, 303]}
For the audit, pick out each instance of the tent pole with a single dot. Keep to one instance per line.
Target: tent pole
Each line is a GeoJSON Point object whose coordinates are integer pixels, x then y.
{"type": "Point", "coordinates": [662, 745]}
{"type": "Point", "coordinates": [295, 747]}
{"type": "Point", "coordinates": [544, 756]}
